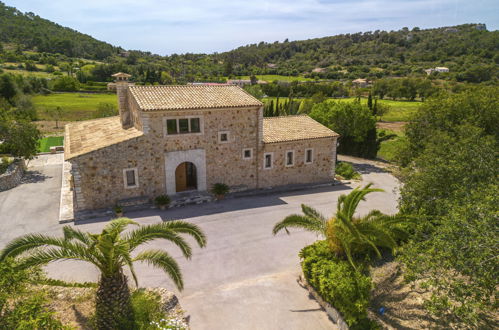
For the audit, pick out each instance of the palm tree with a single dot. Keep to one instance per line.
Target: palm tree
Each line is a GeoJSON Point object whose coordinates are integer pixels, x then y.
{"type": "Point", "coordinates": [110, 251]}
{"type": "Point", "coordinates": [347, 234]}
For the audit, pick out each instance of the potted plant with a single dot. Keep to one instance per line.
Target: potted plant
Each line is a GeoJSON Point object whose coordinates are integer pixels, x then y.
{"type": "Point", "coordinates": [118, 210]}
{"type": "Point", "coordinates": [220, 190]}
{"type": "Point", "coordinates": [162, 201]}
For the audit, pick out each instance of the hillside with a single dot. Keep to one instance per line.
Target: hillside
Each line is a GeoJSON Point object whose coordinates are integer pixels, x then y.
{"type": "Point", "coordinates": [35, 33]}
{"type": "Point", "coordinates": [469, 51]}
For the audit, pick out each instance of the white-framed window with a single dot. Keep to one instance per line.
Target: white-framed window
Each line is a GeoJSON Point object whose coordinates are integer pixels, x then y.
{"type": "Point", "coordinates": [247, 153]}
{"type": "Point", "coordinates": [223, 137]}
{"type": "Point", "coordinates": [183, 125]}
{"type": "Point", "coordinates": [130, 178]}
{"type": "Point", "coordinates": [309, 156]}
{"type": "Point", "coordinates": [290, 158]}
{"type": "Point", "coordinates": [268, 160]}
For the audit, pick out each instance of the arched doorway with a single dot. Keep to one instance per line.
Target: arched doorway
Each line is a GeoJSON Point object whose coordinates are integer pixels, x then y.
{"type": "Point", "coordinates": [186, 177]}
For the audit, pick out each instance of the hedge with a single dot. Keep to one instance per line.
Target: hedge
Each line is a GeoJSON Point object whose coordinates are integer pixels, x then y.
{"type": "Point", "coordinates": [338, 283]}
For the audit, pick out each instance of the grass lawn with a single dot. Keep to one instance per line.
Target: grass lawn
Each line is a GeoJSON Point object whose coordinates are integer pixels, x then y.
{"type": "Point", "coordinates": [39, 74]}
{"type": "Point", "coordinates": [399, 110]}
{"type": "Point", "coordinates": [50, 141]}
{"type": "Point", "coordinates": [388, 149]}
{"type": "Point", "coordinates": [75, 106]}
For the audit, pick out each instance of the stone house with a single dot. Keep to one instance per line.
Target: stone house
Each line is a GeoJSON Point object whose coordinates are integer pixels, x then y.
{"type": "Point", "coordinates": [183, 139]}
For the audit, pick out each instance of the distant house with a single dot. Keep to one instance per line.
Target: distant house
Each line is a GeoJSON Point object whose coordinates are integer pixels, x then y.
{"type": "Point", "coordinates": [271, 65]}
{"type": "Point", "coordinates": [206, 84]}
{"type": "Point", "coordinates": [319, 70]}
{"type": "Point", "coordinates": [361, 82]}
{"type": "Point", "coordinates": [436, 69]}
{"type": "Point", "coordinates": [239, 82]}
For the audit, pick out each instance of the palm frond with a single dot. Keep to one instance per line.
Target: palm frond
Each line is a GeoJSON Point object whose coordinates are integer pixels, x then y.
{"type": "Point", "coordinates": [162, 260]}
{"type": "Point", "coordinates": [43, 257]}
{"type": "Point", "coordinates": [73, 233]}
{"type": "Point", "coordinates": [190, 229]}
{"type": "Point", "coordinates": [29, 242]}
{"type": "Point", "coordinates": [311, 224]}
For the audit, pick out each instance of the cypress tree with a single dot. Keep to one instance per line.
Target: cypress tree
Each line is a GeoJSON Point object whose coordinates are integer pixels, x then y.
{"type": "Point", "coordinates": [370, 101]}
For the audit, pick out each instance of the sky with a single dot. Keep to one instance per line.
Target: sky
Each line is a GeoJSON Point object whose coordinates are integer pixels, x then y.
{"type": "Point", "coordinates": [205, 26]}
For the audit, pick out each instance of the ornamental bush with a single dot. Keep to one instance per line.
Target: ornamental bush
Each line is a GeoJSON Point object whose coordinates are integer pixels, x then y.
{"type": "Point", "coordinates": [347, 171]}
{"type": "Point", "coordinates": [338, 283]}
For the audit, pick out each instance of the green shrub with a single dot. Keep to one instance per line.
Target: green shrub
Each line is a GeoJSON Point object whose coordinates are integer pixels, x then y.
{"type": "Point", "coordinates": [338, 283]}
{"type": "Point", "coordinates": [347, 171]}
{"type": "Point", "coordinates": [220, 189]}
{"type": "Point", "coordinates": [4, 163]}
{"type": "Point", "coordinates": [162, 200]}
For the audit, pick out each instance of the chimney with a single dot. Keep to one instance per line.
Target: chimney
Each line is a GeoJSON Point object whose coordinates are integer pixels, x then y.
{"type": "Point", "coordinates": [121, 81]}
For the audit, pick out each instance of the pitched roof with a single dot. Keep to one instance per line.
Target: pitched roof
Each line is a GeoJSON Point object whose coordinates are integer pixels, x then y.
{"type": "Point", "coordinates": [185, 97]}
{"type": "Point", "coordinates": [90, 135]}
{"type": "Point", "coordinates": [292, 128]}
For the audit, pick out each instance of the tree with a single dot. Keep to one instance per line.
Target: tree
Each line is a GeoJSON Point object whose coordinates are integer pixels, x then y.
{"type": "Point", "coordinates": [110, 251]}
{"type": "Point", "coordinates": [355, 124]}
{"type": "Point", "coordinates": [66, 84]}
{"type": "Point", "coordinates": [346, 234]}
{"type": "Point", "coordinates": [8, 88]}
{"type": "Point", "coordinates": [20, 137]}
{"type": "Point", "coordinates": [55, 114]}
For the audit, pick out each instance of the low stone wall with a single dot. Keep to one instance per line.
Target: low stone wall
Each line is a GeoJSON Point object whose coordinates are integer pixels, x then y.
{"type": "Point", "coordinates": [12, 177]}
{"type": "Point", "coordinates": [333, 314]}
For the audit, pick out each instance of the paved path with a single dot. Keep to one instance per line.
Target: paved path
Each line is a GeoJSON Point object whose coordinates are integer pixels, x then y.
{"type": "Point", "coordinates": [244, 279]}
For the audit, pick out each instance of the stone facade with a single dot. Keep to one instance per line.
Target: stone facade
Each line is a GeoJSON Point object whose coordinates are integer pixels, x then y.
{"type": "Point", "coordinates": [99, 176]}
{"type": "Point", "coordinates": [13, 176]}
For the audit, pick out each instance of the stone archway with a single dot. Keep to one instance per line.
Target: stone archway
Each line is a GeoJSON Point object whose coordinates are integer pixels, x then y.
{"type": "Point", "coordinates": [186, 177]}
{"type": "Point", "coordinates": [174, 159]}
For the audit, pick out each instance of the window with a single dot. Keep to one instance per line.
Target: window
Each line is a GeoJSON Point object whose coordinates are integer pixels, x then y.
{"type": "Point", "coordinates": [223, 137]}
{"type": "Point", "coordinates": [290, 158]}
{"type": "Point", "coordinates": [267, 160]}
{"type": "Point", "coordinates": [183, 125]}
{"type": "Point", "coordinates": [309, 156]}
{"type": "Point", "coordinates": [247, 153]}
{"type": "Point", "coordinates": [171, 126]}
{"type": "Point", "coordinates": [195, 127]}
{"type": "Point", "coordinates": [130, 178]}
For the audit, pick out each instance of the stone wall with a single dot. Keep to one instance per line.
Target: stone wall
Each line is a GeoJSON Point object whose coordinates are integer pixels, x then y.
{"type": "Point", "coordinates": [320, 170]}
{"type": "Point", "coordinates": [12, 177]}
{"type": "Point", "coordinates": [98, 175]}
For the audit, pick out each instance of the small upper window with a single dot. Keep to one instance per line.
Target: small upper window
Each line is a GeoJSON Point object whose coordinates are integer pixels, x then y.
{"type": "Point", "coordinates": [183, 125]}
{"type": "Point", "coordinates": [247, 153]}
{"type": "Point", "coordinates": [195, 127]}
{"type": "Point", "coordinates": [171, 126]}
{"type": "Point", "coordinates": [309, 156]}
{"type": "Point", "coordinates": [290, 158]}
{"type": "Point", "coordinates": [130, 177]}
{"type": "Point", "coordinates": [223, 137]}
{"type": "Point", "coordinates": [267, 161]}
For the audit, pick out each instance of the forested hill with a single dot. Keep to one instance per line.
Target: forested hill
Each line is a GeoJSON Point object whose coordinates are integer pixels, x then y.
{"type": "Point", "coordinates": [469, 51]}
{"type": "Point", "coordinates": [397, 51]}
{"type": "Point", "coordinates": [33, 32]}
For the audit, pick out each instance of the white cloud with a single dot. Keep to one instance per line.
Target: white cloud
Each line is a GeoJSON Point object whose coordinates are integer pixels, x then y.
{"type": "Point", "coordinates": [217, 25]}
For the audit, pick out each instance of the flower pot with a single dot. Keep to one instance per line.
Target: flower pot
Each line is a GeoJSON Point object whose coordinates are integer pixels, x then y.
{"type": "Point", "coordinates": [220, 197]}
{"type": "Point", "coordinates": [162, 207]}
{"type": "Point", "coordinates": [119, 214]}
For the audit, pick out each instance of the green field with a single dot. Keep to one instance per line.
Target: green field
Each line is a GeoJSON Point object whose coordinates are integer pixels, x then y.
{"type": "Point", "coordinates": [399, 110]}
{"type": "Point", "coordinates": [50, 141]}
{"type": "Point", "coordinates": [75, 106]}
{"type": "Point", "coordinates": [389, 149]}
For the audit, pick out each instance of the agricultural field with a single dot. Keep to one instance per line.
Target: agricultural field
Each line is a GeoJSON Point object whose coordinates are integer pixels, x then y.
{"type": "Point", "coordinates": [75, 106]}
{"type": "Point", "coordinates": [388, 149]}
{"type": "Point", "coordinates": [399, 110]}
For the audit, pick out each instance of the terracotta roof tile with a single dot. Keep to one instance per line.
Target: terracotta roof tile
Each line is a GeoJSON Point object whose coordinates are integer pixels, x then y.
{"type": "Point", "coordinates": [183, 97]}
{"type": "Point", "coordinates": [90, 135]}
{"type": "Point", "coordinates": [292, 128]}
